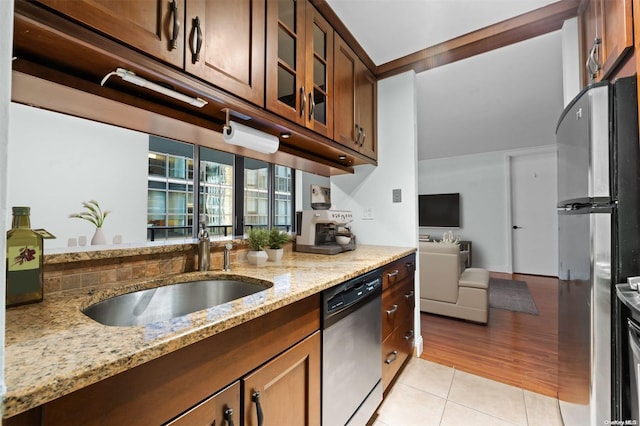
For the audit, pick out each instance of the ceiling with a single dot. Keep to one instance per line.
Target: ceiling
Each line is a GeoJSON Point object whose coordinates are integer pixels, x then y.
{"type": "Point", "coordinates": [503, 99]}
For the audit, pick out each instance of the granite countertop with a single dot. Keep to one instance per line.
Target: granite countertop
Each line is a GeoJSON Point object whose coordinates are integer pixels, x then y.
{"type": "Point", "coordinates": [53, 349]}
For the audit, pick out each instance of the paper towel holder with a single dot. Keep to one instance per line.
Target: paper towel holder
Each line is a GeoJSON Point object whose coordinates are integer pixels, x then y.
{"type": "Point", "coordinates": [248, 137]}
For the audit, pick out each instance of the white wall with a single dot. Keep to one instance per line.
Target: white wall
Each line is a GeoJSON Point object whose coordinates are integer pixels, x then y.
{"type": "Point", "coordinates": [370, 188]}
{"type": "Point", "coordinates": [6, 48]}
{"type": "Point", "coordinates": [63, 161]}
{"type": "Point", "coordinates": [571, 66]}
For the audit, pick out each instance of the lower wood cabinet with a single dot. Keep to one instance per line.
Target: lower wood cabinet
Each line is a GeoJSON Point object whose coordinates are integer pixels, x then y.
{"type": "Point", "coordinates": [398, 305]}
{"type": "Point", "coordinates": [285, 391]}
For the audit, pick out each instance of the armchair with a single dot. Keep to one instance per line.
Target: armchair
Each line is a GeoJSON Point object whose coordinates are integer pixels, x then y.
{"type": "Point", "coordinates": [446, 290]}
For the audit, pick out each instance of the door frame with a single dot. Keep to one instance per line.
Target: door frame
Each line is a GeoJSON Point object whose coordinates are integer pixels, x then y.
{"type": "Point", "coordinates": [509, 158]}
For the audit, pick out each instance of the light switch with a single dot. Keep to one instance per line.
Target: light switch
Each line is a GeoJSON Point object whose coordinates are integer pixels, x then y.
{"type": "Point", "coordinates": [367, 213]}
{"type": "Point", "coordinates": [397, 195]}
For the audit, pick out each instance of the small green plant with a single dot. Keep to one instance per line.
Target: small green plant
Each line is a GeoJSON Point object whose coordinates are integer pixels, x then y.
{"type": "Point", "coordinates": [277, 238]}
{"type": "Point", "coordinates": [93, 214]}
{"type": "Point", "coordinates": [258, 239]}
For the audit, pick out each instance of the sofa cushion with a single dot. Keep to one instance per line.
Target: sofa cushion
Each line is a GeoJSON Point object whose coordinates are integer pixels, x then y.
{"type": "Point", "coordinates": [475, 277]}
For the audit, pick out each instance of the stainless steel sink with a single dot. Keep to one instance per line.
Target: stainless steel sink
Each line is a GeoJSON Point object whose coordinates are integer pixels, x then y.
{"type": "Point", "coordinates": [170, 301]}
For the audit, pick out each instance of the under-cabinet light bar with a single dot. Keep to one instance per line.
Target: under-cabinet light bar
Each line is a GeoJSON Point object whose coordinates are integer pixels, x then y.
{"type": "Point", "coordinates": [131, 77]}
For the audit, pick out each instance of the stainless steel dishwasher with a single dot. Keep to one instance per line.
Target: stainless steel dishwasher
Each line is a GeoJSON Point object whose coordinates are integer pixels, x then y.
{"type": "Point", "coordinates": [351, 350]}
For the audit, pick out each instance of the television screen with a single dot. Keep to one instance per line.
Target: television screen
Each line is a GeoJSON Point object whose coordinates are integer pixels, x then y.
{"type": "Point", "coordinates": [439, 210]}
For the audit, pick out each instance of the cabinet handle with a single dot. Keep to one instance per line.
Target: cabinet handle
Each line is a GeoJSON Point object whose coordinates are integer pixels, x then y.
{"type": "Point", "coordinates": [303, 101]}
{"type": "Point", "coordinates": [312, 105]}
{"type": "Point", "coordinates": [228, 416]}
{"type": "Point", "coordinates": [393, 357]}
{"type": "Point", "coordinates": [255, 397]}
{"type": "Point", "coordinates": [358, 134]}
{"type": "Point", "coordinates": [410, 266]}
{"type": "Point", "coordinates": [173, 43]}
{"type": "Point", "coordinates": [196, 40]}
{"type": "Point", "coordinates": [408, 335]}
{"type": "Point", "coordinates": [409, 295]}
{"type": "Point", "coordinates": [393, 274]}
{"type": "Point", "coordinates": [393, 310]}
{"type": "Point", "coordinates": [364, 137]}
{"type": "Point", "coordinates": [592, 61]}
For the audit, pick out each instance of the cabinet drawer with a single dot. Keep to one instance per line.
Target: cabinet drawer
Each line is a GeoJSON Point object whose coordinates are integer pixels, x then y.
{"type": "Point", "coordinates": [397, 306]}
{"type": "Point", "coordinates": [395, 350]}
{"type": "Point", "coordinates": [398, 271]}
{"type": "Point", "coordinates": [221, 408]}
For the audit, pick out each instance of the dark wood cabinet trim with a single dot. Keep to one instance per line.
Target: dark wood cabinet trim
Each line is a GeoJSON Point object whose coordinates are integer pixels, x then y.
{"type": "Point", "coordinates": [540, 21]}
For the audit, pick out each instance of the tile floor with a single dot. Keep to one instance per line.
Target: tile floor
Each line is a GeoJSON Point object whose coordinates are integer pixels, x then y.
{"type": "Point", "coordinates": [431, 394]}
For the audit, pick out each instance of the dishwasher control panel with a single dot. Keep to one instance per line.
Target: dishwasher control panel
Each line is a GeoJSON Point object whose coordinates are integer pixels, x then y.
{"type": "Point", "coordinates": [351, 292]}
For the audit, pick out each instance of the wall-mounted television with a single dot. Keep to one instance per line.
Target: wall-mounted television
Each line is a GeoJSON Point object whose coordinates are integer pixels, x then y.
{"type": "Point", "coordinates": [439, 210]}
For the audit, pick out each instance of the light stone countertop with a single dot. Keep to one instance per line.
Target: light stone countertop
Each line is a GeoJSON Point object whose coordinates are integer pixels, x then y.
{"type": "Point", "coordinates": [53, 349]}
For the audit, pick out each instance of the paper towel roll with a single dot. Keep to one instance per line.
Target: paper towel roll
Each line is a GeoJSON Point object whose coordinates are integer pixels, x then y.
{"type": "Point", "coordinates": [248, 137]}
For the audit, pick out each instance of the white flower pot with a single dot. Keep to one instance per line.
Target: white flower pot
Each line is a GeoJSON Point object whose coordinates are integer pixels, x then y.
{"type": "Point", "coordinates": [257, 258]}
{"type": "Point", "coordinates": [274, 255]}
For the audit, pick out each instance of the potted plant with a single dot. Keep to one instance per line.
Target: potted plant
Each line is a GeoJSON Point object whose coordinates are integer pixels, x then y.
{"type": "Point", "coordinates": [96, 216]}
{"type": "Point", "coordinates": [276, 240]}
{"type": "Point", "coordinates": [258, 239]}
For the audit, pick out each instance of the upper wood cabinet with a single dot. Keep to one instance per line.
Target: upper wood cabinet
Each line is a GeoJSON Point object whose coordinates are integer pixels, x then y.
{"type": "Point", "coordinates": [355, 101]}
{"type": "Point", "coordinates": [151, 26]}
{"type": "Point", "coordinates": [607, 36]}
{"type": "Point", "coordinates": [225, 45]}
{"type": "Point", "coordinates": [299, 65]}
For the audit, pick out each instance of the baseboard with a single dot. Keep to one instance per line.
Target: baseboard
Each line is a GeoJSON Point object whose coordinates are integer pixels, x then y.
{"type": "Point", "coordinates": [418, 345]}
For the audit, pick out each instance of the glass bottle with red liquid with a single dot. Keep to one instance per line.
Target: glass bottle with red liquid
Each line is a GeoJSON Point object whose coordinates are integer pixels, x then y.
{"type": "Point", "coordinates": [24, 261]}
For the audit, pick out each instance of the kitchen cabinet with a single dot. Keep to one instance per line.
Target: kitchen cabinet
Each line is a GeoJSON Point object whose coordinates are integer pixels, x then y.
{"type": "Point", "coordinates": [225, 45]}
{"type": "Point", "coordinates": [299, 65]}
{"type": "Point", "coordinates": [607, 36]}
{"type": "Point", "coordinates": [398, 306]}
{"type": "Point", "coordinates": [151, 26]}
{"type": "Point", "coordinates": [355, 101]}
{"type": "Point", "coordinates": [285, 391]}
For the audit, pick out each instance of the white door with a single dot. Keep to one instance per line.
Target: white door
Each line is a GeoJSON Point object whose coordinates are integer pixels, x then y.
{"type": "Point", "coordinates": [534, 221]}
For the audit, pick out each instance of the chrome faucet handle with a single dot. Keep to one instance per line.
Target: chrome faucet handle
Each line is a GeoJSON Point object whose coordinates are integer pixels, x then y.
{"type": "Point", "coordinates": [633, 283]}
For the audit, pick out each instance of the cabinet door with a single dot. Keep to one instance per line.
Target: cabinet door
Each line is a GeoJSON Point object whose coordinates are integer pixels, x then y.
{"type": "Point", "coordinates": [222, 408]}
{"type": "Point", "coordinates": [319, 73]}
{"type": "Point", "coordinates": [344, 107]}
{"type": "Point", "coordinates": [152, 26]}
{"type": "Point", "coordinates": [286, 390]}
{"type": "Point", "coordinates": [366, 89]}
{"type": "Point", "coordinates": [225, 45]}
{"type": "Point", "coordinates": [617, 34]}
{"type": "Point", "coordinates": [285, 69]}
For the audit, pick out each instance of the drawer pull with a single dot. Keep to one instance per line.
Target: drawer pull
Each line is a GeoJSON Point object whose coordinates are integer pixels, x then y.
{"type": "Point", "coordinates": [393, 357]}
{"type": "Point", "coordinates": [393, 310]}
{"type": "Point", "coordinates": [408, 335]}
{"type": "Point", "coordinates": [410, 266]}
{"type": "Point", "coordinates": [409, 295]}
{"type": "Point", "coordinates": [255, 398]}
{"type": "Point", "coordinates": [393, 274]}
{"type": "Point", "coordinates": [228, 416]}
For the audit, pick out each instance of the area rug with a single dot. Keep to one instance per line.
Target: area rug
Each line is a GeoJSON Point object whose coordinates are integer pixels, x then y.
{"type": "Point", "coordinates": [511, 296]}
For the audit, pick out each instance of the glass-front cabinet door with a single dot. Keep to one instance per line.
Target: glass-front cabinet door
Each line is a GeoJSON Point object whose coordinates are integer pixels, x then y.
{"type": "Point", "coordinates": [319, 75]}
{"type": "Point", "coordinates": [285, 59]}
{"type": "Point", "coordinates": [300, 64]}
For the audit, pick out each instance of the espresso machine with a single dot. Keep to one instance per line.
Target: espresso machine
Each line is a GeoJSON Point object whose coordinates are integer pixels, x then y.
{"type": "Point", "coordinates": [322, 230]}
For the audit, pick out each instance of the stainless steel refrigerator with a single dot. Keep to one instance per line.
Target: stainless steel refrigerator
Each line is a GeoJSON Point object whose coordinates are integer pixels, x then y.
{"type": "Point", "coordinates": [599, 239]}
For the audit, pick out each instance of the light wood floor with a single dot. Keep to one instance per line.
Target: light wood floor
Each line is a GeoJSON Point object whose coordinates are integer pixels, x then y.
{"type": "Point", "coordinates": [514, 348]}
